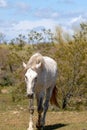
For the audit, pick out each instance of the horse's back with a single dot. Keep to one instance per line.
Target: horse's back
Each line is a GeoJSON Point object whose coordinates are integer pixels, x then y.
{"type": "Point", "coordinates": [50, 64]}
{"type": "Point", "coordinates": [51, 68]}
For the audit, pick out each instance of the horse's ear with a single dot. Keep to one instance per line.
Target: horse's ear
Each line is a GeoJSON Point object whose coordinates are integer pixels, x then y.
{"type": "Point", "coordinates": [24, 65]}
{"type": "Point", "coordinates": [38, 65]}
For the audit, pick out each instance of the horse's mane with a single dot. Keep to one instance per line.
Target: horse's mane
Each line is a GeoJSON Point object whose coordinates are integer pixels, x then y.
{"type": "Point", "coordinates": [35, 59]}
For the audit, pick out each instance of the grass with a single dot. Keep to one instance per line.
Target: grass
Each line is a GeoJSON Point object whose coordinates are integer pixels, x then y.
{"type": "Point", "coordinates": [15, 116]}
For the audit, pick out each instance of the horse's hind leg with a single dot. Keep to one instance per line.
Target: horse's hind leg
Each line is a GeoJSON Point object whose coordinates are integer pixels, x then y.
{"type": "Point", "coordinates": [46, 104]}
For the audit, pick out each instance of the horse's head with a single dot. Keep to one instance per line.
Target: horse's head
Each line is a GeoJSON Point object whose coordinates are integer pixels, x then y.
{"type": "Point", "coordinates": [31, 80]}
{"type": "Point", "coordinates": [31, 75]}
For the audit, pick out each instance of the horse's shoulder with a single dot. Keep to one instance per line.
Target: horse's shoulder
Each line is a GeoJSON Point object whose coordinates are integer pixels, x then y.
{"type": "Point", "coordinates": [50, 61]}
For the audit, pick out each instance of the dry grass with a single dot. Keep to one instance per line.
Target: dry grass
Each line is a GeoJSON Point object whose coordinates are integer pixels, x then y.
{"type": "Point", "coordinates": [16, 117]}
{"type": "Point", "coordinates": [18, 120]}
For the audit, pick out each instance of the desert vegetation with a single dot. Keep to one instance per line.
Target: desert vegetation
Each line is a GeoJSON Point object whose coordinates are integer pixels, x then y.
{"type": "Point", "coordinates": [70, 54]}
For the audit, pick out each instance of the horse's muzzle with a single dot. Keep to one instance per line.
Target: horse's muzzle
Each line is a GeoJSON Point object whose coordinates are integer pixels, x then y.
{"type": "Point", "coordinates": [30, 96]}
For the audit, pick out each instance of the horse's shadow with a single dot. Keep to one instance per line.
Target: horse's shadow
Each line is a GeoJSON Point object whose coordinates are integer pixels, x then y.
{"type": "Point", "coordinates": [54, 126]}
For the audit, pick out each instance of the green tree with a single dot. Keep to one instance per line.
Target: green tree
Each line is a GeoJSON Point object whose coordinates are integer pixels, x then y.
{"type": "Point", "coordinates": [72, 63]}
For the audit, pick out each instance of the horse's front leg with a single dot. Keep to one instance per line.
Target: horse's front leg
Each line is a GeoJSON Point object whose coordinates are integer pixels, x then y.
{"type": "Point", "coordinates": [31, 110]}
{"type": "Point", "coordinates": [40, 110]}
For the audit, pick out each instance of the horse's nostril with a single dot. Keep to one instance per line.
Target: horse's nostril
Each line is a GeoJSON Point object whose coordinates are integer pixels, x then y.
{"type": "Point", "coordinates": [30, 95]}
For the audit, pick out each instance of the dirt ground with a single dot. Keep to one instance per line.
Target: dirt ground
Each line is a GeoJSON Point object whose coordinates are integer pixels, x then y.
{"type": "Point", "coordinates": [15, 116]}
{"type": "Point", "coordinates": [18, 120]}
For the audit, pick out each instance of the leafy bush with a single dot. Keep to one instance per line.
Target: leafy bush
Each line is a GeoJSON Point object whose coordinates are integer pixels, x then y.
{"type": "Point", "coordinates": [70, 55]}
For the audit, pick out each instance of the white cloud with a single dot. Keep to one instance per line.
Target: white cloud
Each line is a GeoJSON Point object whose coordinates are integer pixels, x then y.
{"type": "Point", "coordinates": [13, 29]}
{"type": "Point", "coordinates": [23, 27]}
{"type": "Point", "coordinates": [76, 19]}
{"type": "Point", "coordinates": [66, 1]}
{"type": "Point", "coordinates": [23, 6]}
{"type": "Point", "coordinates": [55, 15]}
{"type": "Point", "coordinates": [28, 25]}
{"type": "Point", "coordinates": [3, 3]}
{"type": "Point", "coordinates": [46, 13]}
{"type": "Point", "coordinates": [75, 22]}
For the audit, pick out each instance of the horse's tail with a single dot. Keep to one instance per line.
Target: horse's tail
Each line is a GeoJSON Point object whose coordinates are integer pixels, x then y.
{"type": "Point", "coordinates": [53, 99]}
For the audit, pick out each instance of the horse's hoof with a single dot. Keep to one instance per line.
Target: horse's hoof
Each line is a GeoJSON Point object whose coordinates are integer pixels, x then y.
{"type": "Point", "coordinates": [30, 128]}
{"type": "Point", "coordinates": [42, 128]}
{"type": "Point", "coordinates": [39, 127]}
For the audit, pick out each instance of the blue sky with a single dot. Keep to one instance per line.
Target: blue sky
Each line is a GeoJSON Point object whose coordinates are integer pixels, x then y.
{"type": "Point", "coordinates": [20, 16]}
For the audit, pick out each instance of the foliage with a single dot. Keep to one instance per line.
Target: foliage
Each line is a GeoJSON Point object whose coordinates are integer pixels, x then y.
{"type": "Point", "coordinates": [43, 36]}
{"type": "Point", "coordinates": [71, 57]}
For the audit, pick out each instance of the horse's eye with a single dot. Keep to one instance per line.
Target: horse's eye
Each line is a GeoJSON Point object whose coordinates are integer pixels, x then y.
{"type": "Point", "coordinates": [35, 78]}
{"type": "Point", "coordinates": [26, 78]}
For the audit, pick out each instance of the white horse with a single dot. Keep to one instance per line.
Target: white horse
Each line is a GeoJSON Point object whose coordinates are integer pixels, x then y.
{"type": "Point", "coordinates": [40, 78]}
